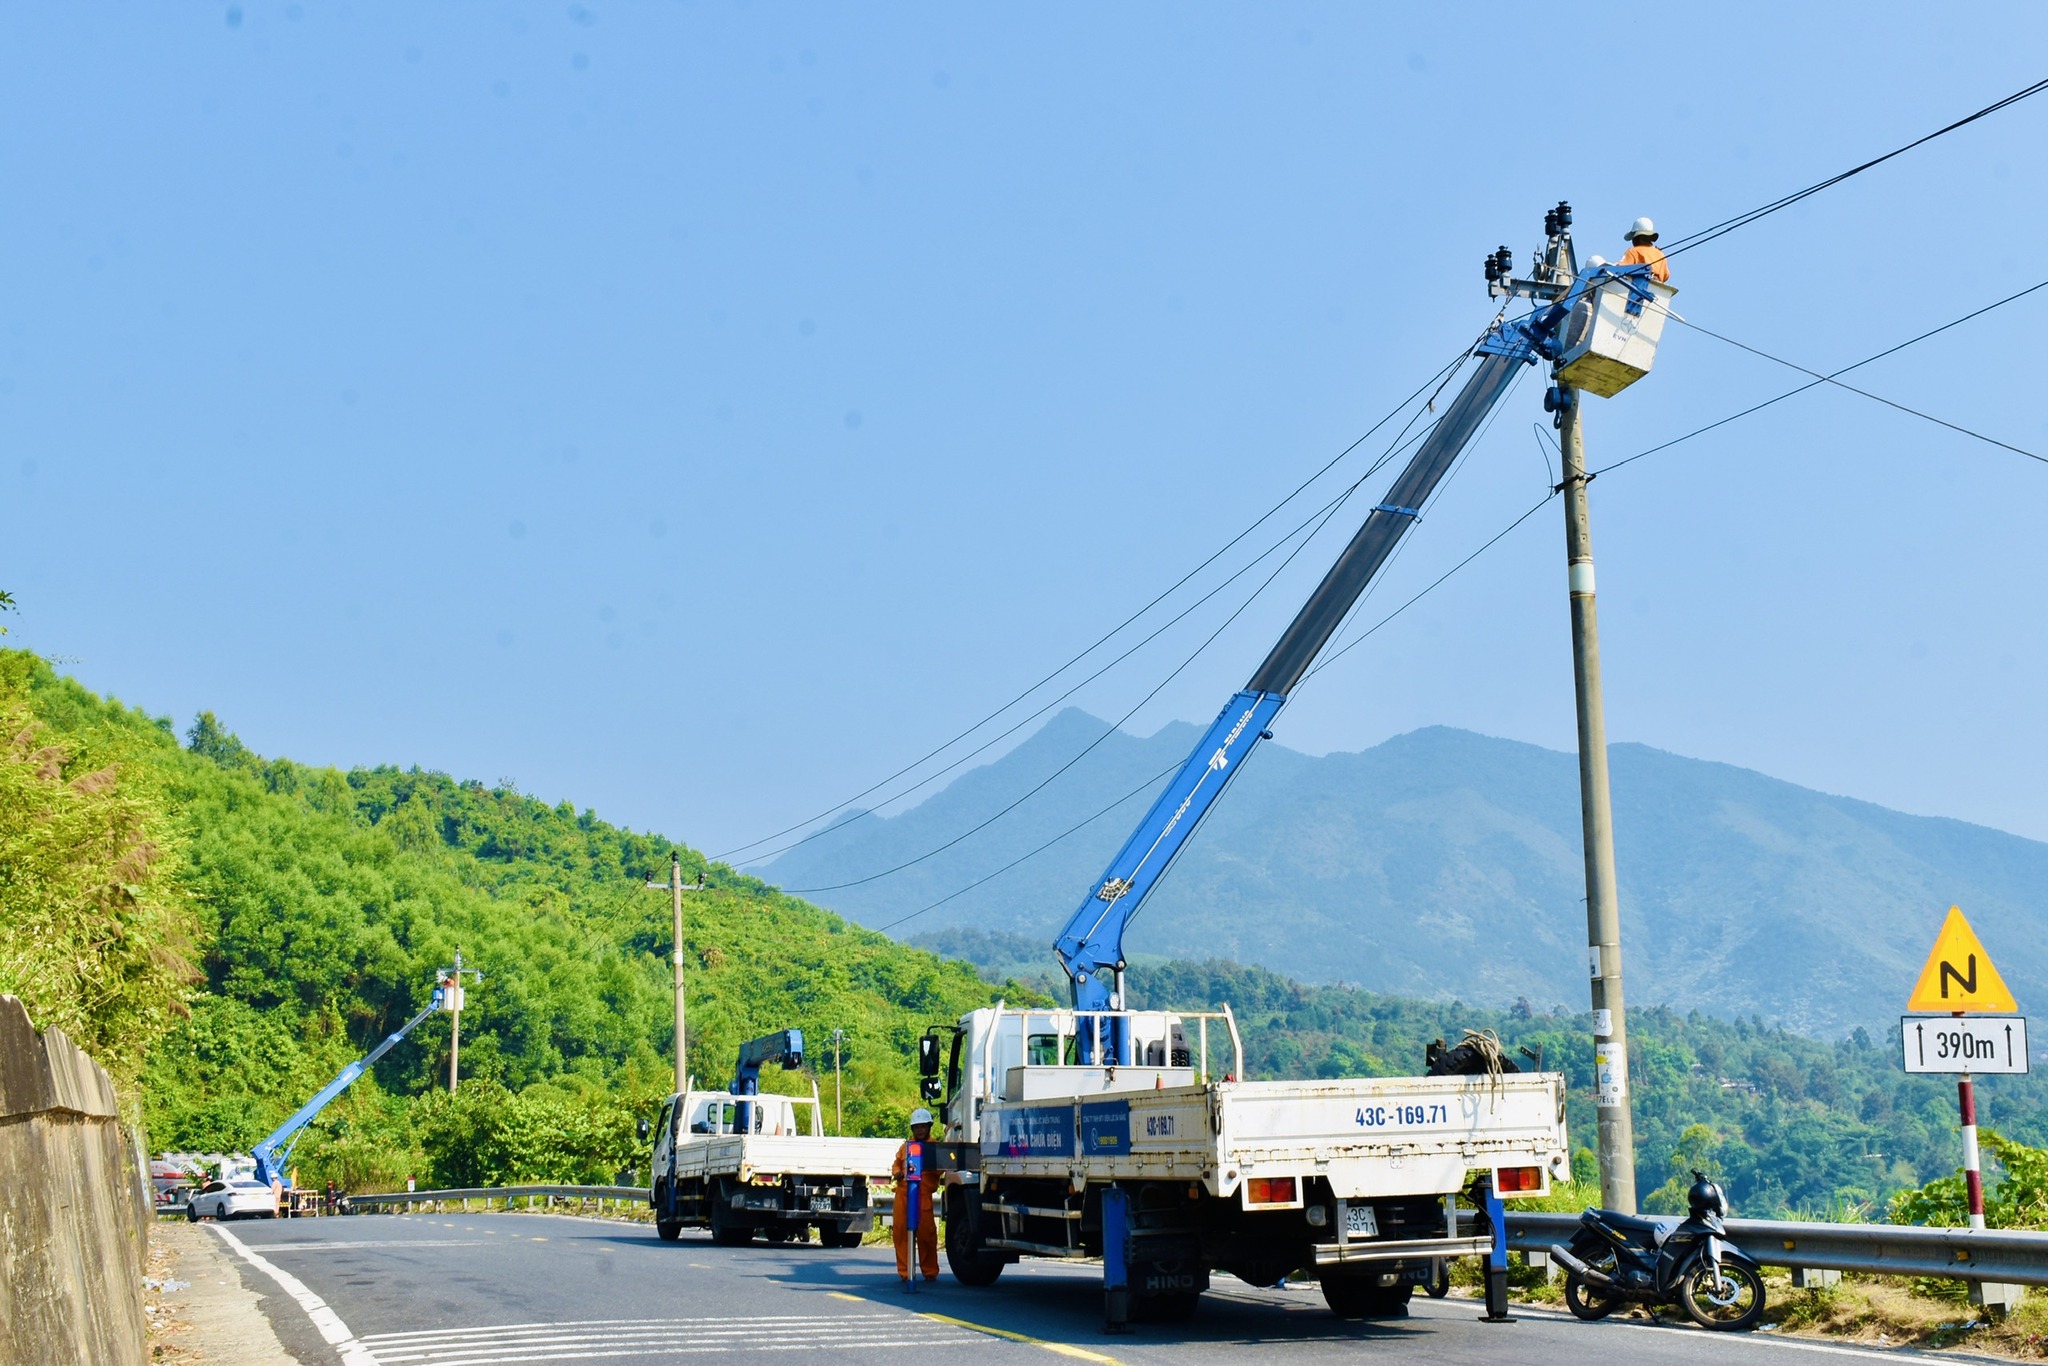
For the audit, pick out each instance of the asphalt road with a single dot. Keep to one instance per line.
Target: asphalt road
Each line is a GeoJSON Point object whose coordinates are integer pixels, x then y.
{"type": "Point", "coordinates": [481, 1288]}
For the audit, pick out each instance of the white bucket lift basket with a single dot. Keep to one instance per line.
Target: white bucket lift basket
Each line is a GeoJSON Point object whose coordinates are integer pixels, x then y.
{"type": "Point", "coordinates": [1607, 347]}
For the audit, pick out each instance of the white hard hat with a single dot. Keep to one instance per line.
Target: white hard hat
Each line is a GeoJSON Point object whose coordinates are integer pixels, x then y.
{"type": "Point", "coordinates": [1642, 227]}
{"type": "Point", "coordinates": [920, 1116]}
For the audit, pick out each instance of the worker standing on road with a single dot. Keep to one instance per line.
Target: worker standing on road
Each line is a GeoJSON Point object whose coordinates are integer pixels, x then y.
{"type": "Point", "coordinates": [1642, 250]}
{"type": "Point", "coordinates": [917, 1173]}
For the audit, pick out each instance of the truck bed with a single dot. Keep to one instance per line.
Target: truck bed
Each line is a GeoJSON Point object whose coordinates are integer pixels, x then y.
{"type": "Point", "coordinates": [1369, 1137]}
{"type": "Point", "coordinates": [746, 1155]}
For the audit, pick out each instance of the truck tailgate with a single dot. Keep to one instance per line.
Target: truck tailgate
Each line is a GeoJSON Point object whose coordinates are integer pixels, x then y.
{"type": "Point", "coordinates": [1374, 1136]}
{"type": "Point", "coordinates": [1390, 1135]}
{"type": "Point", "coordinates": [786, 1155]}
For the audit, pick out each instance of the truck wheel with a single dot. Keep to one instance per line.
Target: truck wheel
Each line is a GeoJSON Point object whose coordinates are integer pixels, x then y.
{"type": "Point", "coordinates": [668, 1230]}
{"type": "Point", "coordinates": [1177, 1308]}
{"type": "Point", "coordinates": [726, 1228]}
{"type": "Point", "coordinates": [970, 1263]}
{"type": "Point", "coordinates": [1360, 1297]}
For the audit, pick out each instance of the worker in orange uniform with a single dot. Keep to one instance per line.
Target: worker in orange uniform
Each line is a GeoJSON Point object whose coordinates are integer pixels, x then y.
{"type": "Point", "coordinates": [1642, 250]}
{"type": "Point", "coordinates": [916, 1166]}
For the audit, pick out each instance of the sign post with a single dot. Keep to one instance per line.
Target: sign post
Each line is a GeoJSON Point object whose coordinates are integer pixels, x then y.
{"type": "Point", "coordinates": [1960, 978]}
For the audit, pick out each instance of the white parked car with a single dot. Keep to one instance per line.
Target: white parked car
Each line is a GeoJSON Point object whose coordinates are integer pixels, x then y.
{"type": "Point", "coordinates": [236, 1199]}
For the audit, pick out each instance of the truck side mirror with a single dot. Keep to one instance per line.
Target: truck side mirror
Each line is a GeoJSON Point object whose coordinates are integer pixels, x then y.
{"type": "Point", "coordinates": [931, 1087]}
{"type": "Point", "coordinates": [928, 1056]}
{"type": "Point", "coordinates": [645, 1129]}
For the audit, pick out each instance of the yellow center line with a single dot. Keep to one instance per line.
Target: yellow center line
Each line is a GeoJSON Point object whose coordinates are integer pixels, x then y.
{"type": "Point", "coordinates": [842, 1295]}
{"type": "Point", "coordinates": [1063, 1348]}
{"type": "Point", "coordinates": [540, 1240]}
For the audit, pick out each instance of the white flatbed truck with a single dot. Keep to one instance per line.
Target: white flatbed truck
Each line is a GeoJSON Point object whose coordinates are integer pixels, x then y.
{"type": "Point", "coordinates": [1179, 1171]}
{"type": "Point", "coordinates": [747, 1164]}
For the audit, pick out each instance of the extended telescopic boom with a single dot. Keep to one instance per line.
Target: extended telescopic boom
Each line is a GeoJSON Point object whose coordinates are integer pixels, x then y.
{"type": "Point", "coordinates": [1090, 948]}
{"type": "Point", "coordinates": [275, 1151]}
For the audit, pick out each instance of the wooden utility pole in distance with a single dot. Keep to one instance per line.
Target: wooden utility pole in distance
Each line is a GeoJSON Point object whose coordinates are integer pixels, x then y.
{"type": "Point", "coordinates": [674, 886]}
{"type": "Point", "coordinates": [1596, 809]}
{"type": "Point", "coordinates": [838, 1100]}
{"type": "Point", "coordinates": [451, 1001]}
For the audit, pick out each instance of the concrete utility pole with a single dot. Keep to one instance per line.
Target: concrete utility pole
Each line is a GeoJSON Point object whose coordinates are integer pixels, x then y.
{"type": "Point", "coordinates": [838, 1101]}
{"type": "Point", "coordinates": [451, 1001]}
{"type": "Point", "coordinates": [455, 1031]}
{"type": "Point", "coordinates": [675, 888]}
{"type": "Point", "coordinates": [1603, 906]}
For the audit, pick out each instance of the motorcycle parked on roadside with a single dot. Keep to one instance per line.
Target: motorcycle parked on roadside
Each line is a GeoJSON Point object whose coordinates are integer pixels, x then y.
{"type": "Point", "coordinates": [1615, 1259]}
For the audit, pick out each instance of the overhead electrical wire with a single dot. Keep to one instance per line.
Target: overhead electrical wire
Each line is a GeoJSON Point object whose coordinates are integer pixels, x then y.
{"type": "Point", "coordinates": [1485, 546]}
{"type": "Point", "coordinates": [1156, 778]}
{"type": "Point", "coordinates": [1438, 379]}
{"type": "Point", "coordinates": [1114, 727]}
{"type": "Point", "coordinates": [1699, 238]}
{"type": "Point", "coordinates": [1139, 790]}
{"type": "Point", "coordinates": [1320, 514]}
{"type": "Point", "coordinates": [1831, 377]}
{"type": "Point", "coordinates": [1741, 220]}
{"type": "Point", "coordinates": [1820, 378]}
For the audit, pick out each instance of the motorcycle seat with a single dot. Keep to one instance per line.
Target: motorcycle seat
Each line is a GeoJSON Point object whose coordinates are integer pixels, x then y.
{"type": "Point", "coordinates": [1655, 1229]}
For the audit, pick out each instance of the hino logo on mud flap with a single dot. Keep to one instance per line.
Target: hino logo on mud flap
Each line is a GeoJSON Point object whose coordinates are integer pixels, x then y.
{"type": "Point", "coordinates": [1171, 1282]}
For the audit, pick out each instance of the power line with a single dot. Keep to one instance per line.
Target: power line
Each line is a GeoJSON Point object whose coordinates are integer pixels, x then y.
{"type": "Point", "coordinates": [1824, 379]}
{"type": "Point", "coordinates": [1441, 376]}
{"type": "Point", "coordinates": [1496, 539]}
{"type": "Point", "coordinates": [1145, 786]}
{"type": "Point", "coordinates": [1728, 225]}
{"type": "Point", "coordinates": [1154, 780]}
{"type": "Point", "coordinates": [1090, 747]}
{"type": "Point", "coordinates": [1320, 514]}
{"type": "Point", "coordinates": [1880, 398]}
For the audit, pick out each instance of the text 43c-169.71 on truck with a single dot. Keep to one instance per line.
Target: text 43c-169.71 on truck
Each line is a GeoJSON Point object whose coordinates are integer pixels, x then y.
{"type": "Point", "coordinates": [1133, 1136]}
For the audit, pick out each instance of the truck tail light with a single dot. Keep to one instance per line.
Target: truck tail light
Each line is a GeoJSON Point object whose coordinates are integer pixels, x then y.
{"type": "Point", "coordinates": [1517, 1180]}
{"type": "Point", "coordinates": [1270, 1190]}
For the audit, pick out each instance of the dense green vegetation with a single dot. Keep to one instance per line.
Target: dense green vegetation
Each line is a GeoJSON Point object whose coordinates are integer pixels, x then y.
{"type": "Point", "coordinates": [228, 931]}
{"type": "Point", "coordinates": [1789, 1123]}
{"type": "Point", "coordinates": [321, 903]}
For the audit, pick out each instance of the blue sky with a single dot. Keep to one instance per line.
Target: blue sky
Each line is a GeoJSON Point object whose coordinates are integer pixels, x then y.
{"type": "Point", "coordinates": [696, 411]}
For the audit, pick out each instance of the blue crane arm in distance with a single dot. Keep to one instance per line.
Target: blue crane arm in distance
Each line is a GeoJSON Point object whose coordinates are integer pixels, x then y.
{"type": "Point", "coordinates": [1090, 947]}
{"type": "Point", "coordinates": [785, 1048]}
{"type": "Point", "coordinates": [273, 1152]}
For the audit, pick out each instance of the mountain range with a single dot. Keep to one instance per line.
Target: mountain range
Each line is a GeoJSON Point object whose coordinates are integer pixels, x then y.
{"type": "Point", "coordinates": [1447, 864]}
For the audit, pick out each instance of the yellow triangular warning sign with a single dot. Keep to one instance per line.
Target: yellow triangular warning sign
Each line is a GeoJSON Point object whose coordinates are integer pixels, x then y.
{"type": "Point", "coordinates": [1959, 975]}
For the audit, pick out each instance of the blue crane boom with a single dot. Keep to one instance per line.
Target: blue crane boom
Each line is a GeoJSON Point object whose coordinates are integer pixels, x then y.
{"type": "Point", "coordinates": [1090, 947]}
{"type": "Point", "coordinates": [785, 1048]}
{"type": "Point", "coordinates": [275, 1151]}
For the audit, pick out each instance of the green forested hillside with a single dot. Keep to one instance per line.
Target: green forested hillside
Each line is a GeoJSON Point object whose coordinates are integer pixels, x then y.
{"type": "Point", "coordinates": [317, 905]}
{"type": "Point", "coordinates": [227, 931]}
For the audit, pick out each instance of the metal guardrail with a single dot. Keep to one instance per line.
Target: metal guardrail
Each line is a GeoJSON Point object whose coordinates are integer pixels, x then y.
{"type": "Point", "coordinates": [2004, 1256]}
{"type": "Point", "coordinates": [636, 1194]}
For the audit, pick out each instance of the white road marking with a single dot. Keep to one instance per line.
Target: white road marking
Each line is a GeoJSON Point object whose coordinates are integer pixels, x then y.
{"type": "Point", "coordinates": [353, 1353]}
{"type": "Point", "coordinates": [1766, 1340]}
{"type": "Point", "coordinates": [390, 1242]}
{"type": "Point", "coordinates": [609, 1338]}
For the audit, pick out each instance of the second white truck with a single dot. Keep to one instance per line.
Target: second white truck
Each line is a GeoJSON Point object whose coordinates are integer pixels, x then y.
{"type": "Point", "coordinates": [741, 1163]}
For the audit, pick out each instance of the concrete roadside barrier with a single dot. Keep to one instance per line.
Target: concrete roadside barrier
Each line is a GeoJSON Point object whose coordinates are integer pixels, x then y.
{"type": "Point", "coordinates": [72, 1220]}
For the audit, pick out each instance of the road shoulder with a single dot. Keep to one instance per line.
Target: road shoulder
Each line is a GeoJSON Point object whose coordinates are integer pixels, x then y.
{"type": "Point", "coordinates": [203, 1310]}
